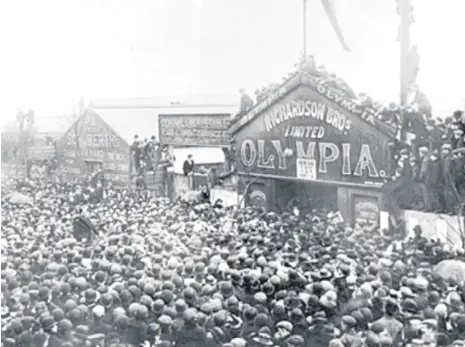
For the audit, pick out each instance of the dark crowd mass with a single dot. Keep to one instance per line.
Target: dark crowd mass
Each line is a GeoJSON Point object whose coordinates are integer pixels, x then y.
{"type": "Point", "coordinates": [429, 173]}
{"type": "Point", "coordinates": [427, 154]}
{"type": "Point", "coordinates": [119, 269]}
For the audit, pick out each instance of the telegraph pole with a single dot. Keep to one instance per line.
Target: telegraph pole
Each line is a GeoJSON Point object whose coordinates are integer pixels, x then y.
{"type": "Point", "coordinates": [304, 28]}
{"type": "Point", "coordinates": [405, 10]}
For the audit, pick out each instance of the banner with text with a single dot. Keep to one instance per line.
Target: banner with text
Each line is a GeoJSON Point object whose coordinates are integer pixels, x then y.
{"type": "Point", "coordinates": [309, 137]}
{"type": "Point", "coordinates": [194, 129]}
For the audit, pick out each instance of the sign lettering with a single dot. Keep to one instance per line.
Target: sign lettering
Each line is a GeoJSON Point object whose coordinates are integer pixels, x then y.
{"type": "Point", "coordinates": [306, 109]}
{"type": "Point", "coordinates": [91, 140]}
{"type": "Point", "coordinates": [263, 154]}
{"type": "Point", "coordinates": [368, 115]}
{"type": "Point", "coordinates": [366, 209]}
{"type": "Point", "coordinates": [194, 129]}
{"type": "Point", "coordinates": [304, 131]}
{"type": "Point", "coordinates": [101, 140]}
{"type": "Point", "coordinates": [264, 104]}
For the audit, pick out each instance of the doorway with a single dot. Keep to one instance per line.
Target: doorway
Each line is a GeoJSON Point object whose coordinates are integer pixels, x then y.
{"type": "Point", "coordinates": [307, 196]}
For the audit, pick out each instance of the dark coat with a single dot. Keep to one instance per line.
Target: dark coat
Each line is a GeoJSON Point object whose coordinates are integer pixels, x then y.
{"type": "Point", "coordinates": [435, 139]}
{"type": "Point", "coordinates": [83, 227]}
{"type": "Point", "coordinates": [434, 176]}
{"type": "Point", "coordinates": [424, 167]}
{"type": "Point", "coordinates": [188, 167]}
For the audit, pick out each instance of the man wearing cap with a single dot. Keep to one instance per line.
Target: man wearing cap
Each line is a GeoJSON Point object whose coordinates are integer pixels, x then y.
{"type": "Point", "coordinates": [447, 194]}
{"type": "Point", "coordinates": [191, 334]}
{"type": "Point", "coordinates": [458, 136]}
{"type": "Point", "coordinates": [188, 165]}
{"type": "Point", "coordinates": [389, 322]}
{"type": "Point", "coordinates": [98, 326]}
{"type": "Point", "coordinates": [434, 135]}
{"type": "Point", "coordinates": [434, 182]}
{"type": "Point", "coordinates": [424, 156]}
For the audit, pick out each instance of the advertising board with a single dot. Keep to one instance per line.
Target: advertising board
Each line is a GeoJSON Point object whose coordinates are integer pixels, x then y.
{"type": "Point", "coordinates": [309, 137]}
{"type": "Point", "coordinates": [42, 152]}
{"type": "Point", "coordinates": [194, 129]}
{"type": "Point", "coordinates": [91, 140]}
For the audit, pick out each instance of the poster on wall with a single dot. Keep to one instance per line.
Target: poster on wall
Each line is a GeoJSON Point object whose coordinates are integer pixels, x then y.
{"type": "Point", "coordinates": [366, 209]}
{"type": "Point", "coordinates": [306, 169]}
{"type": "Point", "coordinates": [257, 196]}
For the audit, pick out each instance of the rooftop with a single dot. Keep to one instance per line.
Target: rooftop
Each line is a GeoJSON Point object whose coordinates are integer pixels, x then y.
{"type": "Point", "coordinates": [131, 116]}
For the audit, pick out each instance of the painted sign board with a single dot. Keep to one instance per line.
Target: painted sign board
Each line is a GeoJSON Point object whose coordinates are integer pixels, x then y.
{"type": "Point", "coordinates": [91, 140]}
{"type": "Point", "coordinates": [194, 129]}
{"type": "Point", "coordinates": [366, 209]}
{"type": "Point", "coordinates": [306, 136]}
{"type": "Point", "coordinates": [43, 152]}
{"type": "Point", "coordinates": [366, 113]}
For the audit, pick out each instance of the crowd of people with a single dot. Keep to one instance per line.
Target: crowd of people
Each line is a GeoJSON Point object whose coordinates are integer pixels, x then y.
{"type": "Point", "coordinates": [427, 153]}
{"type": "Point", "coordinates": [429, 169]}
{"type": "Point", "coordinates": [144, 152]}
{"type": "Point", "coordinates": [151, 272]}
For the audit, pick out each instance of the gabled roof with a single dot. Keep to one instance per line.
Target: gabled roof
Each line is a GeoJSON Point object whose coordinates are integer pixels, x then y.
{"type": "Point", "coordinates": [303, 78]}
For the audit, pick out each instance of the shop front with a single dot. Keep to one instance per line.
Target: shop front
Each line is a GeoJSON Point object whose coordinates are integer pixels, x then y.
{"type": "Point", "coordinates": [313, 149]}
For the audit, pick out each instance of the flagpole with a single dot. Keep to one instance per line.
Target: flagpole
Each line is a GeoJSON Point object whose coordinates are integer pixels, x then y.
{"type": "Point", "coordinates": [405, 9]}
{"type": "Point", "coordinates": [304, 28]}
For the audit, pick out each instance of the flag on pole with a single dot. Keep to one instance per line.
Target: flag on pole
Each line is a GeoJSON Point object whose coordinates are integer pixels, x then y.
{"type": "Point", "coordinates": [330, 10]}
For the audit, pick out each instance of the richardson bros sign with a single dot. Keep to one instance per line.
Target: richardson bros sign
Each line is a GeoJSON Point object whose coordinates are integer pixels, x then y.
{"type": "Point", "coordinates": [311, 140]}
{"type": "Point", "coordinates": [367, 114]}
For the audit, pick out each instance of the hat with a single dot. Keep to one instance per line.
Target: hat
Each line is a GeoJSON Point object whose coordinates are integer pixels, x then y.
{"type": "Point", "coordinates": [263, 339]}
{"type": "Point", "coordinates": [165, 320]}
{"type": "Point", "coordinates": [446, 145]}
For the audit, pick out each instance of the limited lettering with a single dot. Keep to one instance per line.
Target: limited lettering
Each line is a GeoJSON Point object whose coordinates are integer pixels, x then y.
{"type": "Point", "coordinates": [304, 131]}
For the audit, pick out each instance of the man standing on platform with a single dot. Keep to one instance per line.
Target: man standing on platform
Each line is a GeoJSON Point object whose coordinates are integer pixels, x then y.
{"type": "Point", "coordinates": [188, 166]}
{"type": "Point", "coordinates": [136, 152]}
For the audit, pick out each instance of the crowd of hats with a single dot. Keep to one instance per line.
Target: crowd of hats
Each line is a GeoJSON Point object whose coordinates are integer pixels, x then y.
{"type": "Point", "coordinates": [165, 274]}
{"type": "Point", "coordinates": [391, 113]}
{"type": "Point", "coordinates": [432, 165]}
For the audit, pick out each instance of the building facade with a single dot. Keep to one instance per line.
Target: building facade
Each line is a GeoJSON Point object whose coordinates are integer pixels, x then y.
{"type": "Point", "coordinates": [102, 135]}
{"type": "Point", "coordinates": [90, 145]}
{"type": "Point", "coordinates": [308, 145]}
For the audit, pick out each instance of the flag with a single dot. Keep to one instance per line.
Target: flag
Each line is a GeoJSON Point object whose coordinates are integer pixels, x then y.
{"type": "Point", "coordinates": [329, 8]}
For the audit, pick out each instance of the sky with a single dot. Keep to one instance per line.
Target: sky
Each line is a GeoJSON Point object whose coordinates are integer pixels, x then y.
{"type": "Point", "coordinates": [56, 51]}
